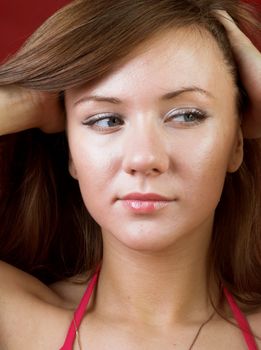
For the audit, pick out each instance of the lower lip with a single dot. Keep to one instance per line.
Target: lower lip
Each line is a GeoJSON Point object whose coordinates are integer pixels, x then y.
{"type": "Point", "coordinates": [138, 206]}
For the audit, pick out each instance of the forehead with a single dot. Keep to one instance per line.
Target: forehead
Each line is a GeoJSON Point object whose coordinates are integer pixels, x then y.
{"type": "Point", "coordinates": [169, 60]}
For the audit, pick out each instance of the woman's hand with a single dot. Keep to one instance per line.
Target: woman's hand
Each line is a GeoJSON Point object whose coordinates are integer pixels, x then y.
{"type": "Point", "coordinates": [22, 109]}
{"type": "Point", "coordinates": [249, 63]}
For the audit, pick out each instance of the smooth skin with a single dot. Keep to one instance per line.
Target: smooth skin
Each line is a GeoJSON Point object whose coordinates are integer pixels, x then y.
{"type": "Point", "coordinates": [152, 288]}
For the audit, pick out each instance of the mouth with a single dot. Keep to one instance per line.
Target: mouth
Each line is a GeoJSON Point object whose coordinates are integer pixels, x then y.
{"type": "Point", "coordinates": [145, 197]}
{"type": "Point", "coordinates": [145, 202]}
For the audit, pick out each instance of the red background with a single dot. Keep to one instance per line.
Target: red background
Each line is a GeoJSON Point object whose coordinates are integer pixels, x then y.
{"type": "Point", "coordinates": [19, 18]}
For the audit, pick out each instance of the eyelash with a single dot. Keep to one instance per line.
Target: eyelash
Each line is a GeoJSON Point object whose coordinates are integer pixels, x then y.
{"type": "Point", "coordinates": [91, 121]}
{"type": "Point", "coordinates": [198, 115]}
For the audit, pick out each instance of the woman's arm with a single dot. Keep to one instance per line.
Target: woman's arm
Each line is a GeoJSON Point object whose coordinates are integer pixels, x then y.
{"type": "Point", "coordinates": [249, 63]}
{"type": "Point", "coordinates": [22, 109]}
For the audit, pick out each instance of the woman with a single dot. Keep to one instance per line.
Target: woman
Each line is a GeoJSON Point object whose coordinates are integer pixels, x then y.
{"type": "Point", "coordinates": [168, 251]}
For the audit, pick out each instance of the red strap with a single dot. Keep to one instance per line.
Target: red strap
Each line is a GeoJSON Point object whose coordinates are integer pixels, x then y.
{"type": "Point", "coordinates": [79, 313]}
{"type": "Point", "coordinates": [242, 321]}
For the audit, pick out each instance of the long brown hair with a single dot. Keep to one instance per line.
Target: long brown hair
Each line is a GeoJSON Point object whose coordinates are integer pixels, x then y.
{"type": "Point", "coordinates": [45, 228]}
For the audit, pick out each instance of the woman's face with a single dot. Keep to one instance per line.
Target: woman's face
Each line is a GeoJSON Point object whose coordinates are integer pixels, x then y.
{"type": "Point", "coordinates": [165, 122]}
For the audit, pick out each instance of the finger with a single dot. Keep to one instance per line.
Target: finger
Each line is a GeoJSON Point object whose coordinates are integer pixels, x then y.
{"type": "Point", "coordinates": [236, 35]}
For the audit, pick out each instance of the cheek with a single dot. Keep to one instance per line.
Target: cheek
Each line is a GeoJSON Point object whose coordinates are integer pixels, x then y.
{"type": "Point", "coordinates": [95, 172]}
{"type": "Point", "coordinates": [203, 170]}
{"type": "Point", "coordinates": [91, 167]}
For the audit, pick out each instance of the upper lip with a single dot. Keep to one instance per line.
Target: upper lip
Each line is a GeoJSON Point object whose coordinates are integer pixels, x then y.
{"type": "Point", "coordinates": [145, 196]}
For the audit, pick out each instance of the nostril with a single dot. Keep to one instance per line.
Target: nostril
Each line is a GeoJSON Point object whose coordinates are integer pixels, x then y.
{"type": "Point", "coordinates": [146, 163]}
{"type": "Point", "coordinates": [146, 172]}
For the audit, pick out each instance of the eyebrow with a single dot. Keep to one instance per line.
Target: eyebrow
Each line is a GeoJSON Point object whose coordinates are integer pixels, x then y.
{"type": "Point", "coordinates": [168, 96]}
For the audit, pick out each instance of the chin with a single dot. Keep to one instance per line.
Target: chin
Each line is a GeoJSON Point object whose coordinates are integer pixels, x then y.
{"type": "Point", "coordinates": [143, 240]}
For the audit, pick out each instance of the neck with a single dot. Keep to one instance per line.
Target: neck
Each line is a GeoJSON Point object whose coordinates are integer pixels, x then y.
{"type": "Point", "coordinates": [164, 288]}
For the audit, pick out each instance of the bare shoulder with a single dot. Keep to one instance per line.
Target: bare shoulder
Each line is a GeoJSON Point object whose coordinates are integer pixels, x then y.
{"type": "Point", "coordinates": [254, 317]}
{"type": "Point", "coordinates": [29, 309]}
{"type": "Point", "coordinates": [254, 320]}
{"type": "Point", "coordinates": [17, 282]}
{"type": "Point", "coordinates": [70, 290]}
{"type": "Point", "coordinates": [66, 293]}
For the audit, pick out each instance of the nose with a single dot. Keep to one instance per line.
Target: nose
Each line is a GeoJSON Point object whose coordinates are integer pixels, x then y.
{"type": "Point", "coordinates": [145, 152]}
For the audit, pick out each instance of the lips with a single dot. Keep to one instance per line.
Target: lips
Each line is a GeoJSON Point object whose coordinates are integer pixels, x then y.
{"type": "Point", "coordinates": [144, 203]}
{"type": "Point", "coordinates": [145, 197]}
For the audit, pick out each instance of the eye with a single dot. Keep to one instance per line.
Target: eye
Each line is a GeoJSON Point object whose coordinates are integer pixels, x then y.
{"type": "Point", "coordinates": [104, 121]}
{"type": "Point", "coordinates": [186, 116]}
